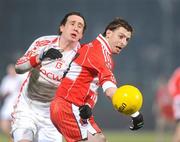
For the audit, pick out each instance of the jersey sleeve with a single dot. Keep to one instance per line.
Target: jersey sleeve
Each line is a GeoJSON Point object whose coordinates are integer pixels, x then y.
{"type": "Point", "coordinates": [28, 60]}
{"type": "Point", "coordinates": [96, 61]}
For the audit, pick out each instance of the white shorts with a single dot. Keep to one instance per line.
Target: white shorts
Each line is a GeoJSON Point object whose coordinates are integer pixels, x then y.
{"type": "Point", "coordinates": [34, 116]}
{"type": "Point", "coordinates": [176, 107]}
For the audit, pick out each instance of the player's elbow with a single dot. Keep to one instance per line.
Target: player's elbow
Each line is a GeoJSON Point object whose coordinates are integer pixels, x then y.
{"type": "Point", "coordinates": [19, 70]}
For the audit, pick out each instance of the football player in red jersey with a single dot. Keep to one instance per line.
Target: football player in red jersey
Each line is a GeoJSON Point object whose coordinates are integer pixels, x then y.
{"type": "Point", "coordinates": [70, 111]}
{"type": "Point", "coordinates": [174, 89]}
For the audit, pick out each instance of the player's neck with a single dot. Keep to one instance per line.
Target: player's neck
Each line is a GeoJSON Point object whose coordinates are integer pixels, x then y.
{"type": "Point", "coordinates": [66, 45]}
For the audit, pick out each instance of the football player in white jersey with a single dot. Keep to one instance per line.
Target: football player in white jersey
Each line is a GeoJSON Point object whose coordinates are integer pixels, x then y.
{"type": "Point", "coordinates": [46, 60]}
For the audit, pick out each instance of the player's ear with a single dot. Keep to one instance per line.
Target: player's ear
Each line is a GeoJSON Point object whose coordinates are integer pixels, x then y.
{"type": "Point", "coordinates": [108, 33]}
{"type": "Point", "coordinates": [61, 28]}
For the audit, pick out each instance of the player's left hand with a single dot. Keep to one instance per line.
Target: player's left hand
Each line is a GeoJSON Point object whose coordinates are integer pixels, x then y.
{"type": "Point", "coordinates": [85, 111]}
{"type": "Point", "coordinates": [137, 122]}
{"type": "Point", "coordinates": [51, 53]}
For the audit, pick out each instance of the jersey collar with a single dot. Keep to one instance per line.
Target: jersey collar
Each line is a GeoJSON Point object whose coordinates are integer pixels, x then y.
{"type": "Point", "coordinates": [105, 43]}
{"type": "Point", "coordinates": [76, 48]}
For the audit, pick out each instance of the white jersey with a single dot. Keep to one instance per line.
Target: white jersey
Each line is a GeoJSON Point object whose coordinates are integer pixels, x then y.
{"type": "Point", "coordinates": [31, 112]}
{"type": "Point", "coordinates": [45, 78]}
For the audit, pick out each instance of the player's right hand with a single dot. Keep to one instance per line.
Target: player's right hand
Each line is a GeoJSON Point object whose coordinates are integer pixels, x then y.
{"type": "Point", "coordinates": [85, 111]}
{"type": "Point", "coordinates": [137, 122]}
{"type": "Point", "coordinates": [51, 53]}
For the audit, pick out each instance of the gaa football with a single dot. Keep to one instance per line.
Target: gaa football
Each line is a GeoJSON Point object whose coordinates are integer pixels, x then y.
{"type": "Point", "coordinates": [127, 99]}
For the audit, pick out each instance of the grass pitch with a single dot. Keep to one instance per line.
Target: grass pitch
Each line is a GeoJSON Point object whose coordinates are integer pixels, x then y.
{"type": "Point", "coordinates": [138, 136]}
{"type": "Point", "coordinates": [128, 136]}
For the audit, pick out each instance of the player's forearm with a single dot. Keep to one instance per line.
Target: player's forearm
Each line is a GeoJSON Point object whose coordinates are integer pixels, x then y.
{"type": "Point", "coordinates": [109, 88]}
{"type": "Point", "coordinates": [22, 68]}
{"type": "Point", "coordinates": [110, 92]}
{"type": "Point", "coordinates": [23, 64]}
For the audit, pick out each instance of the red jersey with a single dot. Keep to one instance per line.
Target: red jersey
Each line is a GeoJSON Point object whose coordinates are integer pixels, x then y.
{"type": "Point", "coordinates": [164, 102]}
{"type": "Point", "coordinates": [92, 68]}
{"type": "Point", "coordinates": [174, 83]}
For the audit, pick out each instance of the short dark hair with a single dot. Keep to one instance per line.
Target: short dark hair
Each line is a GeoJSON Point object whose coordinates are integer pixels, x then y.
{"type": "Point", "coordinates": [64, 20]}
{"type": "Point", "coordinates": [116, 23]}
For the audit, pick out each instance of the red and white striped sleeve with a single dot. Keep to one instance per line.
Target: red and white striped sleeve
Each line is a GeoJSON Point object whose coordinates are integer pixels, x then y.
{"type": "Point", "coordinates": [97, 61]}
{"type": "Point", "coordinates": [31, 58]}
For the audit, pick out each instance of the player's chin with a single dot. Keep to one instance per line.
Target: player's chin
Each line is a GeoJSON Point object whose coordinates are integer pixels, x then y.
{"type": "Point", "coordinates": [117, 51]}
{"type": "Point", "coordinates": [74, 39]}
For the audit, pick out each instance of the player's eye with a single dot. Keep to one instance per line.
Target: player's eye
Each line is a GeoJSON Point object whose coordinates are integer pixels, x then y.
{"type": "Point", "coordinates": [121, 36]}
{"type": "Point", "coordinates": [80, 26]}
{"type": "Point", "coordinates": [127, 39]}
{"type": "Point", "coordinates": [72, 22]}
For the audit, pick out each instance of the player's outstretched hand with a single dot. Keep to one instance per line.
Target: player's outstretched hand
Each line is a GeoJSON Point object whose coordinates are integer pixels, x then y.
{"type": "Point", "coordinates": [137, 122]}
{"type": "Point", "coordinates": [85, 111]}
{"type": "Point", "coordinates": [51, 53]}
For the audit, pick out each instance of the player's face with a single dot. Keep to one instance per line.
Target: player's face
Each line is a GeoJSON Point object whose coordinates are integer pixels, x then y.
{"type": "Point", "coordinates": [73, 29]}
{"type": "Point", "coordinates": [118, 39]}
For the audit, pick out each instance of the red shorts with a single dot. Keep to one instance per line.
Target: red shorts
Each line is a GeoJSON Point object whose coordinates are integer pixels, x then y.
{"type": "Point", "coordinates": [65, 117]}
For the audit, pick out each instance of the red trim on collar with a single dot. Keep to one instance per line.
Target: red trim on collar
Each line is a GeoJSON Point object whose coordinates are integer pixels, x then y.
{"type": "Point", "coordinates": [55, 40]}
{"type": "Point", "coordinates": [109, 48]}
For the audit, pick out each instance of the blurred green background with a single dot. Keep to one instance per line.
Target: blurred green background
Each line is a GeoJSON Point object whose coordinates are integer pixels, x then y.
{"type": "Point", "coordinates": [152, 53]}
